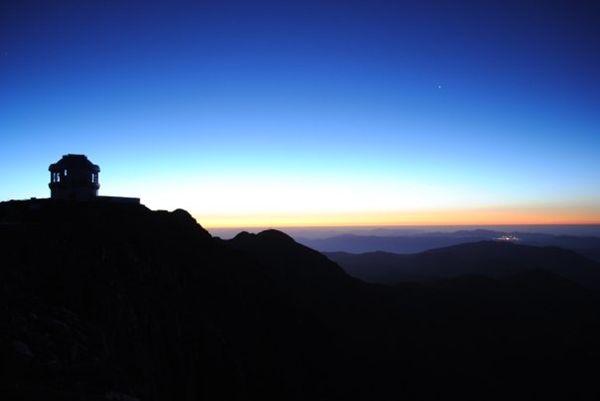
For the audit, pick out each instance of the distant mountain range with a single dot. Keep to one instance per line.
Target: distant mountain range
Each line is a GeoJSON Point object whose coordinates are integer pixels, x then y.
{"type": "Point", "coordinates": [104, 301]}
{"type": "Point", "coordinates": [588, 246]}
{"type": "Point", "coordinates": [490, 258]}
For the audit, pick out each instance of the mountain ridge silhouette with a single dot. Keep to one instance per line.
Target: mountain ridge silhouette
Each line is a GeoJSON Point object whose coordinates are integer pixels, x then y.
{"type": "Point", "coordinates": [107, 301]}
{"type": "Point", "coordinates": [493, 258]}
{"type": "Point", "coordinates": [408, 243]}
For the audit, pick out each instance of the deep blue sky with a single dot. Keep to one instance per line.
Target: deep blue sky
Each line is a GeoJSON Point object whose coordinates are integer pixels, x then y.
{"type": "Point", "coordinates": [301, 112]}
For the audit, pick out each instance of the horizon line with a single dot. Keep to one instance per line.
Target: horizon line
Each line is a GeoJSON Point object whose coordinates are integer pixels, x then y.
{"type": "Point", "coordinates": [391, 226]}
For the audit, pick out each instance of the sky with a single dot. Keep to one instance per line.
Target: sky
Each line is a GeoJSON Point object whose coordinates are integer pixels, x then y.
{"type": "Point", "coordinates": [310, 113]}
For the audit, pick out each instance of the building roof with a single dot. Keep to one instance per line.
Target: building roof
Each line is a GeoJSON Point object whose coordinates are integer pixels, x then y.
{"type": "Point", "coordinates": [74, 161]}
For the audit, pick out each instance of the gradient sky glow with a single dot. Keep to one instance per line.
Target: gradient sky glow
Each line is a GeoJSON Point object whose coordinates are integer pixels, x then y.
{"type": "Point", "coordinates": [283, 113]}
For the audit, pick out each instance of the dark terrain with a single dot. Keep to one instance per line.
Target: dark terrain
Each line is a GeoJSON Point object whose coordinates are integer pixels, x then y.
{"type": "Point", "coordinates": [104, 301]}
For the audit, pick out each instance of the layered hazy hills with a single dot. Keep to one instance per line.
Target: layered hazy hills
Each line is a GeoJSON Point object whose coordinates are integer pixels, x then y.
{"type": "Point", "coordinates": [411, 242]}
{"type": "Point", "coordinates": [489, 258]}
{"type": "Point", "coordinates": [104, 301]}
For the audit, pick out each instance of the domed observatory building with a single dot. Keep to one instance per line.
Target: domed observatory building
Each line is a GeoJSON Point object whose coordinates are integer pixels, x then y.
{"type": "Point", "coordinates": [74, 177]}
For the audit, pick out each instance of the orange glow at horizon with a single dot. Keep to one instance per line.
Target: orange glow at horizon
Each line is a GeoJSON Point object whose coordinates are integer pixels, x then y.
{"type": "Point", "coordinates": [523, 216]}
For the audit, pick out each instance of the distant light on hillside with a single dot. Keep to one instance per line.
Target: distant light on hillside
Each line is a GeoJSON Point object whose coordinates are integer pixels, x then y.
{"type": "Point", "coordinates": [507, 238]}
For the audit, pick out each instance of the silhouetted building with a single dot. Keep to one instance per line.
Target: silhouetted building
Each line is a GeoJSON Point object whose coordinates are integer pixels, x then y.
{"type": "Point", "coordinates": [74, 177]}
